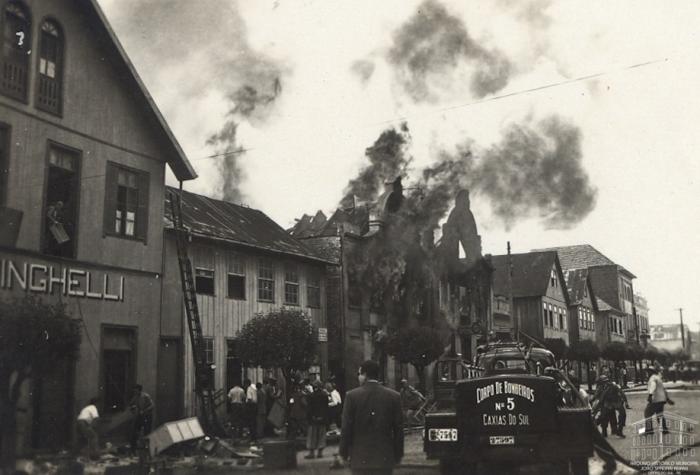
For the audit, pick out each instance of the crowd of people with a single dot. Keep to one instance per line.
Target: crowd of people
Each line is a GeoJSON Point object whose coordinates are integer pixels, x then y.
{"type": "Point", "coordinates": [311, 408]}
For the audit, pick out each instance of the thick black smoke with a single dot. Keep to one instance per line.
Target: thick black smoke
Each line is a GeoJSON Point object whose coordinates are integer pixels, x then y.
{"type": "Point", "coordinates": [432, 44]}
{"type": "Point", "coordinates": [536, 169]}
{"type": "Point", "coordinates": [388, 159]}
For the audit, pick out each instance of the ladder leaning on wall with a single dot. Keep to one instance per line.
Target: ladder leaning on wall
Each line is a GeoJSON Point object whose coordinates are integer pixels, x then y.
{"type": "Point", "coordinates": [204, 385]}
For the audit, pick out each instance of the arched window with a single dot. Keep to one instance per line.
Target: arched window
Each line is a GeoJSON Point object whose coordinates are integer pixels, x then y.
{"type": "Point", "coordinates": [16, 45]}
{"type": "Point", "coordinates": [50, 68]}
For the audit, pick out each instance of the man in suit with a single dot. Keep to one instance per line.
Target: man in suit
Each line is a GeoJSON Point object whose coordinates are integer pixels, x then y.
{"type": "Point", "coordinates": [372, 427]}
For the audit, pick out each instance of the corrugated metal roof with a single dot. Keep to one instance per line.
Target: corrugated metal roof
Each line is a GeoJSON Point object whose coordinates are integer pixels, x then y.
{"type": "Point", "coordinates": [220, 220]}
{"type": "Point", "coordinates": [531, 273]}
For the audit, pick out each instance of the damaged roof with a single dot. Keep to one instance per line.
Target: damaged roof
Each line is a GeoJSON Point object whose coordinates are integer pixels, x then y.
{"type": "Point", "coordinates": [531, 273]}
{"type": "Point", "coordinates": [239, 225]}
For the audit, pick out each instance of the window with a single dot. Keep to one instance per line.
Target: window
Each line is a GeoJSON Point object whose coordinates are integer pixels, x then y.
{"type": "Point", "coordinates": [313, 290]}
{"type": "Point", "coordinates": [291, 285]}
{"type": "Point", "coordinates": [553, 278]}
{"type": "Point", "coordinates": [126, 202]}
{"type": "Point", "coordinates": [61, 202]}
{"type": "Point", "coordinates": [50, 68]}
{"type": "Point", "coordinates": [4, 161]}
{"type": "Point", "coordinates": [266, 281]}
{"type": "Point", "coordinates": [236, 278]}
{"type": "Point", "coordinates": [16, 45]}
{"type": "Point", "coordinates": [204, 281]}
{"type": "Point", "coordinates": [545, 321]}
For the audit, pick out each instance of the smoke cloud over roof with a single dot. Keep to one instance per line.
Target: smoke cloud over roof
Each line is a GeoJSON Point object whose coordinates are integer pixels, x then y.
{"type": "Point", "coordinates": [429, 48]}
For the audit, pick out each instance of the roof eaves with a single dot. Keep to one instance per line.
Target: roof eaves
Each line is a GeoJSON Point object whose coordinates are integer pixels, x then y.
{"type": "Point", "coordinates": [201, 235]}
{"type": "Point", "coordinates": [181, 166]}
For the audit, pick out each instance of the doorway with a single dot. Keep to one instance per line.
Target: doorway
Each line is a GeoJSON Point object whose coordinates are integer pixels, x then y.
{"type": "Point", "coordinates": [61, 202]}
{"type": "Point", "coordinates": [169, 388]}
{"type": "Point", "coordinates": [234, 366]}
{"type": "Point", "coordinates": [118, 367]}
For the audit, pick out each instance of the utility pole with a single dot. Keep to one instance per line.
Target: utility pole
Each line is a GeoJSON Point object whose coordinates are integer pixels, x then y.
{"type": "Point", "coordinates": [510, 297]}
{"type": "Point", "coordinates": [680, 310]}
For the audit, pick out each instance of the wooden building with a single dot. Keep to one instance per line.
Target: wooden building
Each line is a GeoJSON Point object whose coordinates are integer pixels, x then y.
{"type": "Point", "coordinates": [539, 295]}
{"type": "Point", "coordinates": [244, 265]}
{"type": "Point", "coordinates": [83, 151]}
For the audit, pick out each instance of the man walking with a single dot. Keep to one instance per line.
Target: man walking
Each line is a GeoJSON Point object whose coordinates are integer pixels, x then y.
{"type": "Point", "coordinates": [657, 397]}
{"type": "Point", "coordinates": [142, 405]}
{"type": "Point", "coordinates": [318, 421]}
{"type": "Point", "coordinates": [372, 427]}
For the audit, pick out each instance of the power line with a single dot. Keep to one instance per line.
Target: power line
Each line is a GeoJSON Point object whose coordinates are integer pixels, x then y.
{"type": "Point", "coordinates": [565, 82]}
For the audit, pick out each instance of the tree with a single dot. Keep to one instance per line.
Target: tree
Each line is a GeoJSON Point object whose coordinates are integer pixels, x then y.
{"type": "Point", "coordinates": [557, 346]}
{"type": "Point", "coordinates": [283, 339]}
{"type": "Point", "coordinates": [417, 346]}
{"type": "Point", "coordinates": [585, 351]}
{"type": "Point", "coordinates": [34, 337]}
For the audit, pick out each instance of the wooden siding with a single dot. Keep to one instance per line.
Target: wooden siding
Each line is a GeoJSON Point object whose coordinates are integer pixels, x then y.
{"type": "Point", "coordinates": [222, 317]}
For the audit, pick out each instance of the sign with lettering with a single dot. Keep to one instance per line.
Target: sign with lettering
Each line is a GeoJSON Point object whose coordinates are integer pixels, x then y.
{"type": "Point", "coordinates": [505, 405]}
{"type": "Point", "coordinates": [66, 280]}
{"type": "Point", "coordinates": [322, 334]}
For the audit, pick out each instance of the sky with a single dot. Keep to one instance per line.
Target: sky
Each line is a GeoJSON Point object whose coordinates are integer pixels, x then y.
{"type": "Point", "coordinates": [585, 113]}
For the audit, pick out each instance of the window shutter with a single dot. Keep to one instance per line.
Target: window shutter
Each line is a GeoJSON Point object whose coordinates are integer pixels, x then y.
{"type": "Point", "coordinates": [110, 199]}
{"type": "Point", "coordinates": [142, 211]}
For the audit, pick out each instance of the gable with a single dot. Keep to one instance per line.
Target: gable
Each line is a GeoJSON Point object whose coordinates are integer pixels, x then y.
{"type": "Point", "coordinates": [103, 97]}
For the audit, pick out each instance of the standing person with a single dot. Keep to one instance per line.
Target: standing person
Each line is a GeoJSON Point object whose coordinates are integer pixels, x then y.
{"type": "Point", "coordinates": [251, 407]}
{"type": "Point", "coordinates": [87, 419]}
{"type": "Point", "coordinates": [623, 374]}
{"type": "Point", "coordinates": [318, 421]}
{"type": "Point", "coordinates": [621, 406]}
{"type": "Point", "coordinates": [335, 403]}
{"type": "Point", "coordinates": [297, 412]}
{"type": "Point", "coordinates": [261, 412]}
{"type": "Point", "coordinates": [657, 397]}
{"type": "Point", "coordinates": [605, 404]}
{"type": "Point", "coordinates": [236, 398]}
{"type": "Point", "coordinates": [372, 434]}
{"type": "Point", "coordinates": [141, 404]}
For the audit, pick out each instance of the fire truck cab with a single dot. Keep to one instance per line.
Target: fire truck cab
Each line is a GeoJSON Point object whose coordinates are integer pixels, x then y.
{"type": "Point", "coordinates": [510, 408]}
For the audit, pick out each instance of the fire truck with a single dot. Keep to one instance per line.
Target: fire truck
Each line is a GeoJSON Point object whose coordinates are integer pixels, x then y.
{"type": "Point", "coordinates": [509, 409]}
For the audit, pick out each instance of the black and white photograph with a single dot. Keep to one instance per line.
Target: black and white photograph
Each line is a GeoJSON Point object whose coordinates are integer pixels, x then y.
{"type": "Point", "coordinates": [349, 237]}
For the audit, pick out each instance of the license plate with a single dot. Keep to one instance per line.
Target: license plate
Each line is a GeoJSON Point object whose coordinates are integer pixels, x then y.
{"type": "Point", "coordinates": [502, 440]}
{"type": "Point", "coordinates": [442, 435]}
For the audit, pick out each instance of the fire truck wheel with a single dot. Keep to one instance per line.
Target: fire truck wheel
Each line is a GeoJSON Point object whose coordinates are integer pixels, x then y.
{"type": "Point", "coordinates": [450, 466]}
{"type": "Point", "coordinates": [579, 466]}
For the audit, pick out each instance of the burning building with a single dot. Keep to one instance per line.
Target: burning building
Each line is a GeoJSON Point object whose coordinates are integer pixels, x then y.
{"type": "Point", "coordinates": [392, 274]}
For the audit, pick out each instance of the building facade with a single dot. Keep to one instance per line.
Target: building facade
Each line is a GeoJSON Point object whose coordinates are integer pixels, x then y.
{"type": "Point", "coordinates": [583, 313]}
{"type": "Point", "coordinates": [83, 151]}
{"type": "Point", "coordinates": [671, 337]}
{"type": "Point", "coordinates": [244, 265]}
{"type": "Point", "coordinates": [538, 290]}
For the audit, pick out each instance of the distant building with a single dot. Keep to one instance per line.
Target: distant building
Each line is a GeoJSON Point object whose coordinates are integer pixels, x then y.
{"type": "Point", "coordinates": [244, 265]}
{"type": "Point", "coordinates": [584, 317]}
{"type": "Point", "coordinates": [540, 299]}
{"type": "Point", "coordinates": [669, 337]}
{"type": "Point", "coordinates": [642, 309]}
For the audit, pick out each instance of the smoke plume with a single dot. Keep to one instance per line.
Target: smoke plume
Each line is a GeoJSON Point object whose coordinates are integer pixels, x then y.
{"type": "Point", "coordinates": [537, 169]}
{"type": "Point", "coordinates": [388, 159]}
{"type": "Point", "coordinates": [432, 45]}
{"type": "Point", "coordinates": [199, 48]}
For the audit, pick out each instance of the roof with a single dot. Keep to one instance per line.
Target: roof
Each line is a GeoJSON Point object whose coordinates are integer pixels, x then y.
{"type": "Point", "coordinates": [176, 158]}
{"type": "Point", "coordinates": [531, 273]}
{"type": "Point", "coordinates": [576, 282]}
{"type": "Point", "coordinates": [604, 306]}
{"type": "Point", "coordinates": [582, 256]}
{"type": "Point", "coordinates": [209, 218]}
